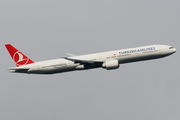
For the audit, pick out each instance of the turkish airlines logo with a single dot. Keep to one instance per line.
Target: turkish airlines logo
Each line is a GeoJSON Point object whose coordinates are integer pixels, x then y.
{"type": "Point", "coordinates": [19, 59]}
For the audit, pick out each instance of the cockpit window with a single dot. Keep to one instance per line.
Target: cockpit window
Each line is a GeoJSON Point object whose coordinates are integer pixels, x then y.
{"type": "Point", "coordinates": [171, 48]}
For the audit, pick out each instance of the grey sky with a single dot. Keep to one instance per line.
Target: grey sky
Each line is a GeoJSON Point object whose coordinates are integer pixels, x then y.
{"type": "Point", "coordinates": [44, 29]}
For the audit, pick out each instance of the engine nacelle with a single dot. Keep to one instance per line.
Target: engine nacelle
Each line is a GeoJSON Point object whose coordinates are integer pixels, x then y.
{"type": "Point", "coordinates": [80, 67]}
{"type": "Point", "coordinates": [111, 64]}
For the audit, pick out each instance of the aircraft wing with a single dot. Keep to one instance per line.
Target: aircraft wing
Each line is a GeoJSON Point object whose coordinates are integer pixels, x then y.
{"type": "Point", "coordinates": [85, 61]}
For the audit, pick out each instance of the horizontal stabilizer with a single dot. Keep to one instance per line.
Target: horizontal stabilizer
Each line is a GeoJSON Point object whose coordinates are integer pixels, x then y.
{"type": "Point", "coordinates": [17, 68]}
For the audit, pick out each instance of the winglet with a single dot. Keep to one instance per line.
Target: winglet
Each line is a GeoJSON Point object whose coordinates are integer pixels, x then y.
{"type": "Point", "coordinates": [18, 57]}
{"type": "Point", "coordinates": [72, 55]}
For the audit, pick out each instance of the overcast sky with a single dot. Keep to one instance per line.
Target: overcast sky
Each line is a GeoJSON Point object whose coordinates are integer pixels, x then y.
{"type": "Point", "coordinates": [47, 29]}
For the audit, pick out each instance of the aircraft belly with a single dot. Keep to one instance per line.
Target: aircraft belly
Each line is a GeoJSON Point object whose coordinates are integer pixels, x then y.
{"type": "Point", "coordinates": [140, 58]}
{"type": "Point", "coordinates": [53, 69]}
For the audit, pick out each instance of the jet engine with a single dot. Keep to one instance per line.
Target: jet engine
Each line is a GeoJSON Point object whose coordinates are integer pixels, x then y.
{"type": "Point", "coordinates": [111, 64]}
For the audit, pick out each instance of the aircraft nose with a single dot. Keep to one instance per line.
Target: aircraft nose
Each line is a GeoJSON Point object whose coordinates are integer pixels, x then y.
{"type": "Point", "coordinates": [174, 50]}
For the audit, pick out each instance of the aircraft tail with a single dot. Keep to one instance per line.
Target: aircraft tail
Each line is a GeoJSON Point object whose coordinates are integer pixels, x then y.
{"type": "Point", "coordinates": [18, 57]}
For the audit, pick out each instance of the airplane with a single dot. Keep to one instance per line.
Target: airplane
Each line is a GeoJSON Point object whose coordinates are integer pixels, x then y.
{"type": "Point", "coordinates": [108, 60]}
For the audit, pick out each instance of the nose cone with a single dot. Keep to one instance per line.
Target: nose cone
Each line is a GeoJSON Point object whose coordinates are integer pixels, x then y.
{"type": "Point", "coordinates": [170, 50]}
{"type": "Point", "coordinates": [173, 50]}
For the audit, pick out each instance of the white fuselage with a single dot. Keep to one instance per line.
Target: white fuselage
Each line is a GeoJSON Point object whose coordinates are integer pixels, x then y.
{"type": "Point", "coordinates": [122, 56]}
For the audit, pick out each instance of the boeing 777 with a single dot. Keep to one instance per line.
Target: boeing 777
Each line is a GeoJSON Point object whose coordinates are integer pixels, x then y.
{"type": "Point", "coordinates": [108, 60]}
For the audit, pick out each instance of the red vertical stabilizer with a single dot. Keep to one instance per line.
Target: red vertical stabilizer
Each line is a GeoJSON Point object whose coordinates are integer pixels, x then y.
{"type": "Point", "coordinates": [18, 57]}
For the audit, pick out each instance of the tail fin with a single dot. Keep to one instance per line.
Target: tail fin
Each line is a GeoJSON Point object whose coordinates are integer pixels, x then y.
{"type": "Point", "coordinates": [18, 57]}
